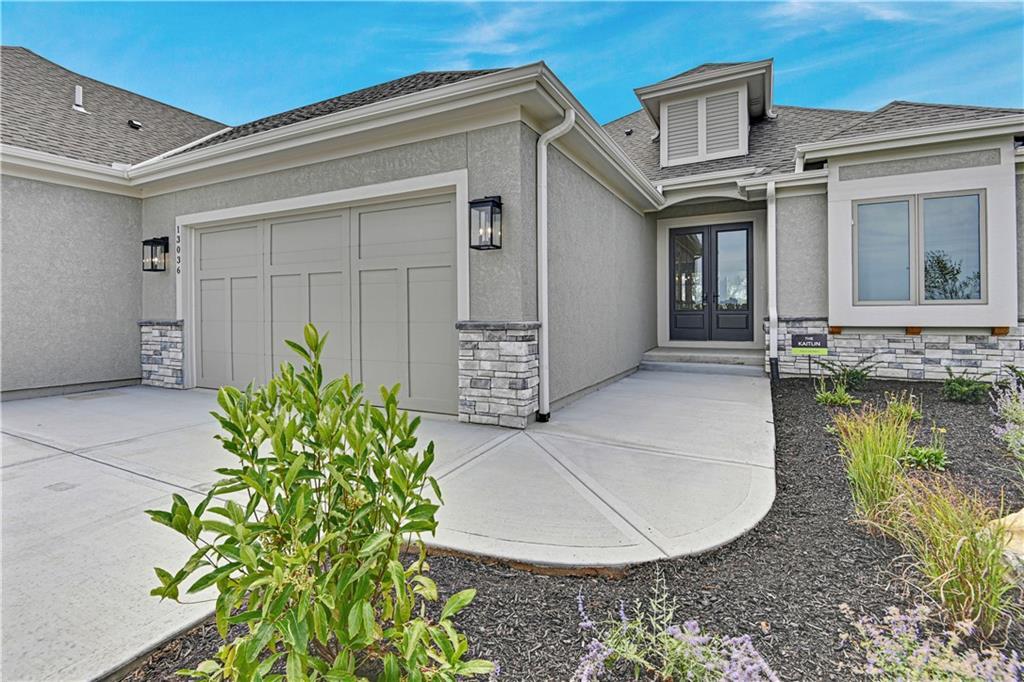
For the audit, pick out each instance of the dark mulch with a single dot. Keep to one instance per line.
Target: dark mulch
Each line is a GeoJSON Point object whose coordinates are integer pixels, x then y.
{"type": "Point", "coordinates": [781, 583]}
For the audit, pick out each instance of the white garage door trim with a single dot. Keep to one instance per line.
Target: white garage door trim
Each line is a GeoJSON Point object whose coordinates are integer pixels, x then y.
{"type": "Point", "coordinates": [441, 183]}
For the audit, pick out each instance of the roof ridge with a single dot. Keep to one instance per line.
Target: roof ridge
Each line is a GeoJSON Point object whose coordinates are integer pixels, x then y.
{"type": "Point", "coordinates": [882, 109]}
{"type": "Point", "coordinates": [111, 85]}
{"type": "Point", "coordinates": [616, 120]}
{"type": "Point", "coordinates": [953, 106]}
{"type": "Point", "coordinates": [842, 111]}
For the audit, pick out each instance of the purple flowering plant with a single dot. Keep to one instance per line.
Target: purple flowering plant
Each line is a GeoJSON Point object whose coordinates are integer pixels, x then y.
{"type": "Point", "coordinates": [1008, 407]}
{"type": "Point", "coordinates": [647, 641]}
{"type": "Point", "coordinates": [902, 646]}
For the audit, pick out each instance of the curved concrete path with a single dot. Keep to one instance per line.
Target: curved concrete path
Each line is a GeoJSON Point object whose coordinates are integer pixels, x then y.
{"type": "Point", "coordinates": [655, 465]}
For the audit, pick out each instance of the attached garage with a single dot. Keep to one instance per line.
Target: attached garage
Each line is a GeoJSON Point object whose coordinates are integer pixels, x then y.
{"type": "Point", "coordinates": [380, 279]}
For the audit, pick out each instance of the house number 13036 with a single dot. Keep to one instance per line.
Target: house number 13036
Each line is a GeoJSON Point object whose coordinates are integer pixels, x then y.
{"type": "Point", "coordinates": [177, 249]}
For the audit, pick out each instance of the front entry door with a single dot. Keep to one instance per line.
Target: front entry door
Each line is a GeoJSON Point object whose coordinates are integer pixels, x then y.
{"type": "Point", "coordinates": [711, 283]}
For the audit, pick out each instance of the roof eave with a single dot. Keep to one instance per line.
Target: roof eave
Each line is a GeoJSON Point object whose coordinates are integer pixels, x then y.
{"type": "Point", "coordinates": [44, 166]}
{"type": "Point", "coordinates": [963, 130]}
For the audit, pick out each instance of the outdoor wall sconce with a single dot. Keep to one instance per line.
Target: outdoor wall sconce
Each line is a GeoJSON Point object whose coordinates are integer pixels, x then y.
{"type": "Point", "coordinates": [154, 254]}
{"type": "Point", "coordinates": [485, 223]}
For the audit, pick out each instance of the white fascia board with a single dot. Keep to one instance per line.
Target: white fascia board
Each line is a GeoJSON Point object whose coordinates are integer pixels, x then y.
{"type": "Point", "coordinates": [803, 179]}
{"type": "Point", "coordinates": [46, 167]}
{"type": "Point", "coordinates": [951, 132]}
{"type": "Point", "coordinates": [599, 138]}
{"type": "Point", "coordinates": [701, 80]}
{"type": "Point", "coordinates": [714, 178]}
{"type": "Point", "coordinates": [340, 123]}
{"type": "Point", "coordinates": [171, 152]}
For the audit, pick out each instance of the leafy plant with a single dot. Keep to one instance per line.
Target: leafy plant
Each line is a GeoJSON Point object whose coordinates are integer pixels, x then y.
{"type": "Point", "coordinates": [1016, 375]}
{"type": "Point", "coordinates": [873, 444]}
{"type": "Point", "coordinates": [650, 645]}
{"type": "Point", "coordinates": [1008, 407]}
{"type": "Point", "coordinates": [900, 646]}
{"type": "Point", "coordinates": [957, 551]}
{"type": "Point", "coordinates": [303, 537]}
{"type": "Point", "coordinates": [960, 388]}
{"type": "Point", "coordinates": [904, 405]}
{"type": "Point", "coordinates": [854, 376]}
{"type": "Point", "coordinates": [838, 396]}
{"type": "Point", "coordinates": [931, 456]}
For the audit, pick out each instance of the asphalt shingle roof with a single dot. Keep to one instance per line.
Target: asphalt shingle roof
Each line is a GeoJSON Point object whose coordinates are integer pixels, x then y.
{"type": "Point", "coordinates": [36, 97]}
{"type": "Point", "coordinates": [771, 144]}
{"type": "Point", "coordinates": [703, 68]}
{"type": "Point", "coordinates": [417, 82]}
{"type": "Point", "coordinates": [900, 115]}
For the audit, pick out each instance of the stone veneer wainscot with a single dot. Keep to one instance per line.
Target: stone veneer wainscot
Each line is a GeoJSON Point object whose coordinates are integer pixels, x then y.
{"type": "Point", "coordinates": [905, 356]}
{"type": "Point", "coordinates": [163, 353]}
{"type": "Point", "coordinates": [498, 372]}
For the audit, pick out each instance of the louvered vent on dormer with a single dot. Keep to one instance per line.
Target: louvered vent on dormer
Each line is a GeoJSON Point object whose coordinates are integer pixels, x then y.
{"type": "Point", "coordinates": [723, 122]}
{"type": "Point", "coordinates": [682, 129]}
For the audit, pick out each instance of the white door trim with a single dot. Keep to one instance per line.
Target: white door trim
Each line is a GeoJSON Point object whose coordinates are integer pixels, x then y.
{"type": "Point", "coordinates": [756, 217]}
{"type": "Point", "coordinates": [184, 253]}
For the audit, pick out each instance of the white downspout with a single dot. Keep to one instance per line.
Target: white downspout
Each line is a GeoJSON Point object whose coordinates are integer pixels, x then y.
{"type": "Point", "coordinates": [544, 407]}
{"type": "Point", "coordinates": [773, 304]}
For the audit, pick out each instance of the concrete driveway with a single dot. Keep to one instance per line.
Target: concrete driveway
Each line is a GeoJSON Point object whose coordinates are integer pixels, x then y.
{"type": "Point", "coordinates": [656, 465]}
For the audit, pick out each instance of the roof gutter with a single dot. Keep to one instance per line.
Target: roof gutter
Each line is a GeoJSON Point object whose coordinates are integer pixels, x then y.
{"type": "Point", "coordinates": [569, 120]}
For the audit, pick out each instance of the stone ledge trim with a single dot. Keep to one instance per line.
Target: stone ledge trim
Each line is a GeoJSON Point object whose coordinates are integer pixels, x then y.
{"type": "Point", "coordinates": [161, 323]}
{"type": "Point", "coordinates": [162, 352]}
{"type": "Point", "coordinates": [485, 325]}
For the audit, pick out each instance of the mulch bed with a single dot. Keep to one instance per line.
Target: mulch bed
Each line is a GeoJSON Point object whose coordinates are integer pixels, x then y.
{"type": "Point", "coordinates": [782, 583]}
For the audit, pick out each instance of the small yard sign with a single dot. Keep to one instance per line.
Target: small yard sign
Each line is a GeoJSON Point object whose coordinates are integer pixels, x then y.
{"type": "Point", "coordinates": [809, 344]}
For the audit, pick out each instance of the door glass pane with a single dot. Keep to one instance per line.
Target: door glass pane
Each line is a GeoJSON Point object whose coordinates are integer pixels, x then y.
{"type": "Point", "coordinates": [732, 270]}
{"type": "Point", "coordinates": [883, 251]}
{"type": "Point", "coordinates": [952, 248]}
{"type": "Point", "coordinates": [688, 271]}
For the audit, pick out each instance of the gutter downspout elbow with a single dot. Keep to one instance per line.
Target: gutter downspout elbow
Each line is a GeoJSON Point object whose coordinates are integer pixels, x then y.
{"type": "Point", "coordinates": [773, 303]}
{"type": "Point", "coordinates": [544, 400]}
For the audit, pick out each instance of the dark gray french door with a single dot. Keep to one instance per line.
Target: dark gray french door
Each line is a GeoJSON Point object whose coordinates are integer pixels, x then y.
{"type": "Point", "coordinates": [711, 283]}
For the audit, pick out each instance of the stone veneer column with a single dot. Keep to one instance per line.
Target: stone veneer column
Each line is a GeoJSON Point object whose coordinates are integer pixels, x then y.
{"type": "Point", "coordinates": [163, 346]}
{"type": "Point", "coordinates": [498, 372]}
{"type": "Point", "coordinates": [925, 356]}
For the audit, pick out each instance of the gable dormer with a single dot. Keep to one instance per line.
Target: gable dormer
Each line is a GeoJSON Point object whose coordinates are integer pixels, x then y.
{"type": "Point", "coordinates": [705, 113]}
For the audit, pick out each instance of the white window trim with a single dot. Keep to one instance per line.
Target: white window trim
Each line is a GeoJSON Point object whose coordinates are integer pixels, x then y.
{"type": "Point", "coordinates": [917, 254]}
{"type": "Point", "coordinates": [702, 154]}
{"type": "Point", "coordinates": [999, 182]}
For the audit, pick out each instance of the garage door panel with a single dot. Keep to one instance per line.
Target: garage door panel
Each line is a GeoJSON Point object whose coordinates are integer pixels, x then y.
{"type": "Point", "coordinates": [229, 249]}
{"type": "Point", "coordinates": [329, 310]}
{"type": "Point", "coordinates": [424, 229]}
{"type": "Point", "coordinates": [315, 240]}
{"type": "Point", "coordinates": [213, 344]}
{"type": "Point", "coordinates": [433, 354]}
{"type": "Point", "coordinates": [246, 331]}
{"type": "Point", "coordinates": [288, 315]}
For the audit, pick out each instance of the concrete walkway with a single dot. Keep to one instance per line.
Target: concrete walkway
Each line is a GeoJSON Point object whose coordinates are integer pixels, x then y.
{"type": "Point", "coordinates": [656, 465]}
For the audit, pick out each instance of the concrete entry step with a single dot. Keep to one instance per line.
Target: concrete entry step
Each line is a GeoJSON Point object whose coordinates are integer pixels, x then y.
{"type": "Point", "coordinates": [702, 368]}
{"type": "Point", "coordinates": [748, 357]}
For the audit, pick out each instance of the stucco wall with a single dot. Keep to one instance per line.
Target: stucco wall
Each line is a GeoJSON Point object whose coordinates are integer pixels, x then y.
{"type": "Point", "coordinates": [802, 255]}
{"type": "Point", "coordinates": [72, 279]}
{"type": "Point", "coordinates": [502, 284]}
{"type": "Point", "coordinates": [1020, 246]}
{"type": "Point", "coordinates": [602, 294]}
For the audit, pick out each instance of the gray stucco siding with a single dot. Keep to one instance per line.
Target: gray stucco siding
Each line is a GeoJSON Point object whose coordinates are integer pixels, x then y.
{"type": "Point", "coordinates": [802, 255]}
{"type": "Point", "coordinates": [72, 279]}
{"type": "Point", "coordinates": [1020, 246]}
{"type": "Point", "coordinates": [500, 289]}
{"type": "Point", "coordinates": [602, 280]}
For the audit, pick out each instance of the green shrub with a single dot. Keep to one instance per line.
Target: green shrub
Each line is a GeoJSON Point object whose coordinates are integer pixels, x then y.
{"type": "Point", "coordinates": [837, 396]}
{"type": "Point", "coordinates": [873, 444]}
{"type": "Point", "coordinates": [854, 376]}
{"type": "Point", "coordinates": [957, 551]}
{"type": "Point", "coordinates": [307, 550]}
{"type": "Point", "coordinates": [964, 389]}
{"type": "Point", "coordinates": [930, 457]}
{"type": "Point", "coordinates": [905, 405]}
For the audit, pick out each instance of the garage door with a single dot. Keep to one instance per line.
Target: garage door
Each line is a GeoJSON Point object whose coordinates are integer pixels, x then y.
{"type": "Point", "coordinates": [380, 279]}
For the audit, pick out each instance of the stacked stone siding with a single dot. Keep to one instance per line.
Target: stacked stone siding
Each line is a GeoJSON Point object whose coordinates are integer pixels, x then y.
{"type": "Point", "coordinates": [924, 356]}
{"type": "Point", "coordinates": [498, 372]}
{"type": "Point", "coordinates": [163, 353]}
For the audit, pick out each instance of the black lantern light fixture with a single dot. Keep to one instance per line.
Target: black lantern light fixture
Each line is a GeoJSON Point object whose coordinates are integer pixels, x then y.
{"type": "Point", "coordinates": [485, 223]}
{"type": "Point", "coordinates": [154, 254]}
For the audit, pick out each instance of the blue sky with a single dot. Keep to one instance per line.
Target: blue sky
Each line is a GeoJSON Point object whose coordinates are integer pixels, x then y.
{"type": "Point", "coordinates": [238, 61]}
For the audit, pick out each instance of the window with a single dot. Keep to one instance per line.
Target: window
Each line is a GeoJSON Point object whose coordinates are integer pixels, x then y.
{"type": "Point", "coordinates": [711, 126]}
{"type": "Point", "coordinates": [919, 249]}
